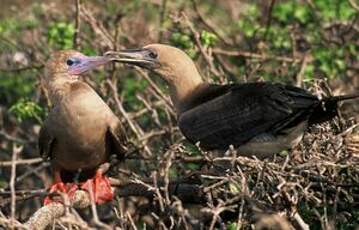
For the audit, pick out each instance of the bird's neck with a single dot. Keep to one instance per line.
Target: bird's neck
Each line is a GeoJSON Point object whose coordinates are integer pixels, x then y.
{"type": "Point", "coordinates": [183, 87]}
{"type": "Point", "coordinates": [60, 87]}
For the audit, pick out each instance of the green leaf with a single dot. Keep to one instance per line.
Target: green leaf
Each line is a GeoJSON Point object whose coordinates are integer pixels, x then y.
{"type": "Point", "coordinates": [340, 64]}
{"type": "Point", "coordinates": [234, 188]}
{"type": "Point", "coordinates": [60, 35]}
{"type": "Point", "coordinates": [192, 149]}
{"type": "Point", "coordinates": [247, 27]}
{"type": "Point", "coordinates": [184, 42]}
{"type": "Point", "coordinates": [302, 14]}
{"type": "Point", "coordinates": [283, 153]}
{"type": "Point", "coordinates": [284, 11]}
{"type": "Point", "coordinates": [192, 166]}
{"type": "Point", "coordinates": [252, 10]}
{"type": "Point", "coordinates": [232, 226]}
{"type": "Point", "coordinates": [208, 39]}
{"type": "Point", "coordinates": [26, 109]}
{"type": "Point", "coordinates": [309, 72]}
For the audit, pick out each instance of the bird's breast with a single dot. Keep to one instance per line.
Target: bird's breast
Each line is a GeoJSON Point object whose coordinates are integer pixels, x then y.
{"type": "Point", "coordinates": [82, 124]}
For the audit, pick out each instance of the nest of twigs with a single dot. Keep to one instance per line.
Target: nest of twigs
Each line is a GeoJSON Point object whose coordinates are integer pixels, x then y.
{"type": "Point", "coordinates": [317, 182]}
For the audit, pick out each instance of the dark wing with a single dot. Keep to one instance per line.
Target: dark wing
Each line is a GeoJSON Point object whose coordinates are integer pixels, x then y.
{"type": "Point", "coordinates": [45, 143]}
{"type": "Point", "coordinates": [245, 111]}
{"type": "Point", "coordinates": [117, 139]}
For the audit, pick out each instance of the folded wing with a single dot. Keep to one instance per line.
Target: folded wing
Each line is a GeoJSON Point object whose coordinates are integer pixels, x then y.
{"type": "Point", "coordinates": [244, 111]}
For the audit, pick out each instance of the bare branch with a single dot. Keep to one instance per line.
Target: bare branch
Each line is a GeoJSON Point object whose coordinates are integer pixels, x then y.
{"type": "Point", "coordinates": [76, 39]}
{"type": "Point", "coordinates": [47, 214]}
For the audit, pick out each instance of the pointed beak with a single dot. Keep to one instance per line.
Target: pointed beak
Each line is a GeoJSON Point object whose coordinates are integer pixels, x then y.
{"type": "Point", "coordinates": [87, 63]}
{"type": "Point", "coordinates": [138, 57]}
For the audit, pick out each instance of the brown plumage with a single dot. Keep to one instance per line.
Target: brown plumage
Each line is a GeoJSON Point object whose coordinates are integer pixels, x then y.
{"type": "Point", "coordinates": [81, 131]}
{"type": "Point", "coordinates": [257, 118]}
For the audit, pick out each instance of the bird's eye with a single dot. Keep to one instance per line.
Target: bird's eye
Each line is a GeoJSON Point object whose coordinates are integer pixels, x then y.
{"type": "Point", "coordinates": [153, 54]}
{"type": "Point", "coordinates": [70, 62]}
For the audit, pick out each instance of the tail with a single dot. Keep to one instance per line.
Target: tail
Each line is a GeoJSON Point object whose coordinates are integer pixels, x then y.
{"type": "Point", "coordinates": [327, 108]}
{"type": "Point", "coordinates": [341, 98]}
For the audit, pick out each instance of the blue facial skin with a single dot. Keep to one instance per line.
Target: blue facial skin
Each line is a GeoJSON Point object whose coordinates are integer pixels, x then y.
{"type": "Point", "coordinates": [72, 61]}
{"type": "Point", "coordinates": [79, 65]}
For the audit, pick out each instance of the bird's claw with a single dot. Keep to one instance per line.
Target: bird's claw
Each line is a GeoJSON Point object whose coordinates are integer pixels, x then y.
{"type": "Point", "coordinates": [100, 187]}
{"type": "Point", "coordinates": [68, 189]}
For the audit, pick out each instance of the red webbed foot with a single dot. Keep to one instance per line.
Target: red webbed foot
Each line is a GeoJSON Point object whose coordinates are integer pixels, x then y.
{"type": "Point", "coordinates": [100, 187]}
{"type": "Point", "coordinates": [68, 189]}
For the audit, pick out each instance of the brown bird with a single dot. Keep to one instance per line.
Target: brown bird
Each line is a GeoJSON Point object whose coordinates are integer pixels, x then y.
{"type": "Point", "coordinates": [260, 118]}
{"type": "Point", "coordinates": [81, 131]}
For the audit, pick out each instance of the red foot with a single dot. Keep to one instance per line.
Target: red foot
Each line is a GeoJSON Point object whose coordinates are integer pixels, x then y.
{"type": "Point", "coordinates": [69, 189]}
{"type": "Point", "coordinates": [101, 187]}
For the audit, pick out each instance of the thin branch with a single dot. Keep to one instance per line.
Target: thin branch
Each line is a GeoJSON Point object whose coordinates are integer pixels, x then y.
{"type": "Point", "coordinates": [16, 151]}
{"type": "Point", "coordinates": [98, 28]}
{"type": "Point", "coordinates": [11, 138]}
{"type": "Point", "coordinates": [269, 18]}
{"type": "Point", "coordinates": [301, 222]}
{"type": "Point", "coordinates": [21, 162]}
{"type": "Point", "coordinates": [136, 129]}
{"type": "Point", "coordinates": [76, 38]}
{"type": "Point", "coordinates": [162, 19]}
{"type": "Point", "coordinates": [157, 90]}
{"type": "Point", "coordinates": [255, 55]}
{"type": "Point", "coordinates": [208, 24]}
{"type": "Point", "coordinates": [354, 5]}
{"type": "Point", "coordinates": [300, 75]}
{"type": "Point", "coordinates": [197, 36]}
{"type": "Point", "coordinates": [25, 68]}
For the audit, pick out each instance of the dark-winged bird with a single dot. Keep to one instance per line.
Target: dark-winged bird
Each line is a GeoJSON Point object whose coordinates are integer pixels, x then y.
{"type": "Point", "coordinates": [256, 118]}
{"type": "Point", "coordinates": [81, 131]}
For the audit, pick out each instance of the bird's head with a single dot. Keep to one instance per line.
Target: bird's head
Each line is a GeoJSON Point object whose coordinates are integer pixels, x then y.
{"type": "Point", "coordinates": [70, 64]}
{"type": "Point", "coordinates": [169, 62]}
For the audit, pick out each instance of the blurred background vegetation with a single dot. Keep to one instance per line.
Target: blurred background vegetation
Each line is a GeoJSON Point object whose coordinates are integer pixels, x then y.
{"type": "Point", "coordinates": [278, 34]}
{"type": "Point", "coordinates": [293, 41]}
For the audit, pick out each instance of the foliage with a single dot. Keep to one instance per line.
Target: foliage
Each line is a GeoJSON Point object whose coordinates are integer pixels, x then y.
{"type": "Point", "coordinates": [330, 57]}
{"type": "Point", "coordinates": [60, 35]}
{"type": "Point", "coordinates": [208, 39]}
{"type": "Point", "coordinates": [13, 86]}
{"type": "Point", "coordinates": [131, 86]}
{"type": "Point", "coordinates": [184, 41]}
{"type": "Point", "coordinates": [12, 27]}
{"type": "Point", "coordinates": [26, 109]}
